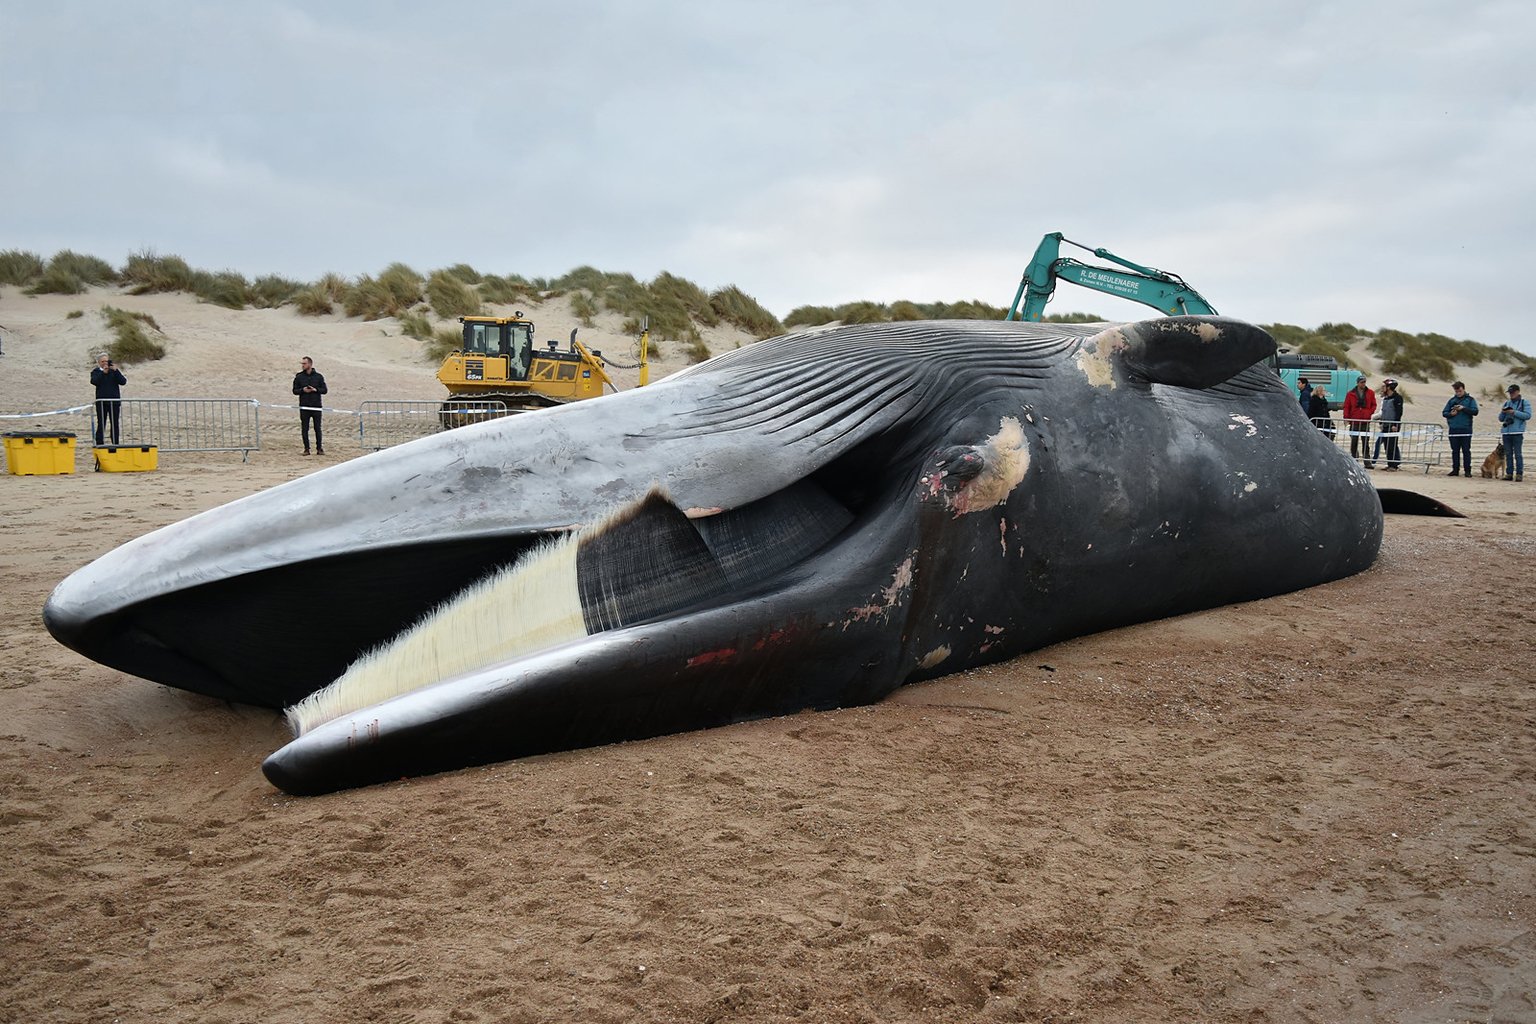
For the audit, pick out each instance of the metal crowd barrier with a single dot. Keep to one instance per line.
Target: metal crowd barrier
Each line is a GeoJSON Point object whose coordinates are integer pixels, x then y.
{"type": "Point", "coordinates": [183, 424]}
{"type": "Point", "coordinates": [1422, 446]}
{"type": "Point", "coordinates": [385, 423]}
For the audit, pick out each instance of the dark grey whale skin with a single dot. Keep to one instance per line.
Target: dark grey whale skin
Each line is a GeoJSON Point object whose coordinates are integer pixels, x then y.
{"type": "Point", "coordinates": [996, 487]}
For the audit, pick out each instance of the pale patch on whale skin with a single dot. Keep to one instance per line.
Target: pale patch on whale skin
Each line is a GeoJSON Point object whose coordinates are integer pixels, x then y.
{"type": "Point", "coordinates": [1207, 332]}
{"type": "Point", "coordinates": [1239, 422]}
{"type": "Point", "coordinates": [530, 606]}
{"type": "Point", "coordinates": [1097, 360]}
{"type": "Point", "coordinates": [1007, 463]}
{"type": "Point", "coordinates": [937, 656]}
{"type": "Point", "coordinates": [888, 598]}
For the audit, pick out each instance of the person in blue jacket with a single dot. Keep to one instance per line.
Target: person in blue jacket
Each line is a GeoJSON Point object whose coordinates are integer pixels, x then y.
{"type": "Point", "coordinates": [1458, 413]}
{"type": "Point", "coordinates": [108, 381]}
{"type": "Point", "coordinates": [1513, 415]}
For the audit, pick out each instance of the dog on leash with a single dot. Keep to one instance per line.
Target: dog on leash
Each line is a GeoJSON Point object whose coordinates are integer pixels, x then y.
{"type": "Point", "coordinates": [1493, 465]}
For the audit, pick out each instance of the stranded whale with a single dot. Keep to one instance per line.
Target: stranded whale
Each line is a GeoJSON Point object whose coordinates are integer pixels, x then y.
{"type": "Point", "coordinates": [809, 522]}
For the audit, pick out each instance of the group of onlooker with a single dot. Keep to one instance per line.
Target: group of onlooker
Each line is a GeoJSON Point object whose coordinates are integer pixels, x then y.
{"type": "Point", "coordinates": [1361, 405]}
{"type": "Point", "coordinates": [1513, 415]}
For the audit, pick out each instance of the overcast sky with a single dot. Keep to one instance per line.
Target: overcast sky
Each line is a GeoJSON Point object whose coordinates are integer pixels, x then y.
{"type": "Point", "coordinates": [1298, 162]}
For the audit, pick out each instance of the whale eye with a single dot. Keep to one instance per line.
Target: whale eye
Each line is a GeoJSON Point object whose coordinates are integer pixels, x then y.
{"type": "Point", "coordinates": [961, 462]}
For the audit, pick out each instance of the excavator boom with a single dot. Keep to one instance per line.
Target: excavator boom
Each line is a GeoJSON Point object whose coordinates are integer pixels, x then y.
{"type": "Point", "coordinates": [1151, 287]}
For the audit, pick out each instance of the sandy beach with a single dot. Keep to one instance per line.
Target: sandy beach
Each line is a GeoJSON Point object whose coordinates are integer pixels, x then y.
{"type": "Point", "coordinates": [1313, 808]}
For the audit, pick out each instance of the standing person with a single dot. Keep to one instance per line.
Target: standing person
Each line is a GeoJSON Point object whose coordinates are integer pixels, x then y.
{"type": "Point", "coordinates": [309, 385]}
{"type": "Point", "coordinates": [1359, 407]}
{"type": "Point", "coordinates": [1318, 413]}
{"type": "Point", "coordinates": [108, 380]}
{"type": "Point", "coordinates": [1391, 423]}
{"type": "Point", "coordinates": [1513, 415]}
{"type": "Point", "coordinates": [1458, 413]}
{"type": "Point", "coordinates": [1304, 393]}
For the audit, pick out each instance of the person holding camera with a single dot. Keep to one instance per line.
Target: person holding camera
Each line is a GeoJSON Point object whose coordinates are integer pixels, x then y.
{"type": "Point", "coordinates": [1512, 418]}
{"type": "Point", "coordinates": [108, 380]}
{"type": "Point", "coordinates": [309, 385]}
{"type": "Point", "coordinates": [1458, 413]}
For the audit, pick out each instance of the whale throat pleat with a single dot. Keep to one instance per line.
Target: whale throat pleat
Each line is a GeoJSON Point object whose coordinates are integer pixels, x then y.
{"type": "Point", "coordinates": [641, 563]}
{"type": "Point", "coordinates": [759, 540]}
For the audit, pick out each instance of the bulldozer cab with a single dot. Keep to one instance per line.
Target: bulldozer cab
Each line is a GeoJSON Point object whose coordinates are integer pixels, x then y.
{"type": "Point", "coordinates": [501, 336]}
{"type": "Point", "coordinates": [496, 365]}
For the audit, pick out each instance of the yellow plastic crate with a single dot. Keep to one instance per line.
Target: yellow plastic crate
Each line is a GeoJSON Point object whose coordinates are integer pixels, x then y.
{"type": "Point", "coordinates": [139, 459]}
{"type": "Point", "coordinates": [39, 453]}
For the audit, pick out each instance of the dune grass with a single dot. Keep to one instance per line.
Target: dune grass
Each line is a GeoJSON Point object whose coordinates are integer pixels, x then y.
{"type": "Point", "coordinates": [395, 290]}
{"type": "Point", "coordinates": [675, 308]}
{"type": "Point", "coordinates": [735, 306]}
{"type": "Point", "coordinates": [583, 308]}
{"type": "Point", "coordinates": [1411, 356]}
{"type": "Point", "coordinates": [506, 291]}
{"type": "Point", "coordinates": [464, 273]}
{"type": "Point", "coordinates": [320, 298]}
{"type": "Point", "coordinates": [442, 342]}
{"type": "Point", "coordinates": [227, 288]}
{"type": "Point", "coordinates": [450, 297]}
{"type": "Point", "coordinates": [131, 344]}
{"type": "Point", "coordinates": [67, 273]}
{"type": "Point", "coordinates": [1522, 373]}
{"type": "Point", "coordinates": [866, 312]}
{"type": "Point", "coordinates": [416, 325]}
{"type": "Point", "coordinates": [272, 291]}
{"type": "Point", "coordinates": [19, 267]}
{"type": "Point", "coordinates": [314, 300]}
{"type": "Point", "coordinates": [70, 273]}
{"type": "Point", "coordinates": [55, 281]}
{"type": "Point", "coordinates": [147, 272]}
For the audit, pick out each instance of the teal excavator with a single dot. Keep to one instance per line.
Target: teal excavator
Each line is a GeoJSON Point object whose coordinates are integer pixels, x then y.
{"type": "Point", "coordinates": [1148, 285]}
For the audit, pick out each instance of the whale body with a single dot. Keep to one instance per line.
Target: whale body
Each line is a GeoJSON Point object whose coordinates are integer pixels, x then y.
{"type": "Point", "coordinates": [805, 523]}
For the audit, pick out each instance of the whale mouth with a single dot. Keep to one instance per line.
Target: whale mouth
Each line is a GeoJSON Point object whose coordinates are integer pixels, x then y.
{"type": "Point", "coordinates": [274, 636]}
{"type": "Point", "coordinates": [646, 562]}
{"type": "Point", "coordinates": [270, 637]}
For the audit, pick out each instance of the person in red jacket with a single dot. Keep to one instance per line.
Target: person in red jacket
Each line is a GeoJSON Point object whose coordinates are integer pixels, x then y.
{"type": "Point", "coordinates": [1359, 407]}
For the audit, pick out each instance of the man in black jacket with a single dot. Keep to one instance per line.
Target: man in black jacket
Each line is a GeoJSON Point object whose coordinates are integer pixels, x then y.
{"type": "Point", "coordinates": [108, 380]}
{"type": "Point", "coordinates": [309, 385]}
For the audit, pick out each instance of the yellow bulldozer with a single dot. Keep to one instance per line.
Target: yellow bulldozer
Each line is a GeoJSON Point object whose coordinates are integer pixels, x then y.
{"type": "Point", "coordinates": [498, 369]}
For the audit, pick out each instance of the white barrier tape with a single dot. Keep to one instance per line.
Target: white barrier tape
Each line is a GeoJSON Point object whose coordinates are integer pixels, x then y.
{"type": "Point", "coordinates": [311, 408]}
{"type": "Point", "coordinates": [40, 415]}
